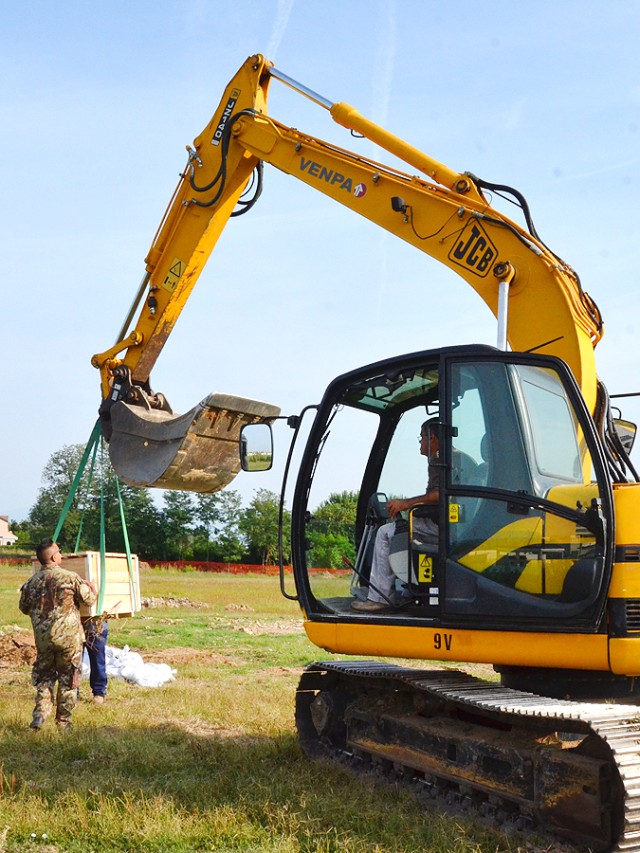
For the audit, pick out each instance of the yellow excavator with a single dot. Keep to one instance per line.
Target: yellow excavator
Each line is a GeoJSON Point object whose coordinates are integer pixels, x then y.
{"type": "Point", "coordinates": [533, 563]}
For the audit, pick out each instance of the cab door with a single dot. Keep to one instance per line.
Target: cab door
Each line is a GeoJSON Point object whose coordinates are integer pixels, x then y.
{"type": "Point", "coordinates": [529, 519]}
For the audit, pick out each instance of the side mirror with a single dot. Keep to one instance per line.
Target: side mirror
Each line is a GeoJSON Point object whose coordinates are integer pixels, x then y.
{"type": "Point", "coordinates": [256, 447]}
{"type": "Point", "coordinates": [626, 432]}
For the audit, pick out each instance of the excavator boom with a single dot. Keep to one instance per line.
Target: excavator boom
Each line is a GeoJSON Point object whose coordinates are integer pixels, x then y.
{"type": "Point", "coordinates": [443, 213]}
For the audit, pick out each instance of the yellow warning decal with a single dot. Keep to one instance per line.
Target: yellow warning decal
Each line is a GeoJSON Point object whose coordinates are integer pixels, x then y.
{"type": "Point", "coordinates": [425, 569]}
{"type": "Point", "coordinates": [172, 277]}
{"type": "Point", "coordinates": [454, 513]}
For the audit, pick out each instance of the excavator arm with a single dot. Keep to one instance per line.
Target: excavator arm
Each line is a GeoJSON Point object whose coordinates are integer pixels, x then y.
{"type": "Point", "coordinates": [149, 445]}
{"type": "Point", "coordinates": [536, 296]}
{"type": "Point", "coordinates": [207, 193]}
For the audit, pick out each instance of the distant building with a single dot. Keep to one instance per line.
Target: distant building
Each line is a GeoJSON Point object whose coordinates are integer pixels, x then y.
{"type": "Point", "coordinates": [6, 536]}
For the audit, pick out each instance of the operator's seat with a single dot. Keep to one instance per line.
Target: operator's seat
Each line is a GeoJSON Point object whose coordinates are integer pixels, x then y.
{"type": "Point", "coordinates": [482, 470]}
{"type": "Point", "coordinates": [464, 468]}
{"type": "Point", "coordinates": [377, 514]}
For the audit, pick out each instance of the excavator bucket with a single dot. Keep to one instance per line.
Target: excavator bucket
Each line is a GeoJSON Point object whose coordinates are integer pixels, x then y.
{"type": "Point", "coordinates": [195, 452]}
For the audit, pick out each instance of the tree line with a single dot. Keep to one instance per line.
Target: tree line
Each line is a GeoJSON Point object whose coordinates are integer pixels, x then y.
{"type": "Point", "coordinates": [183, 526]}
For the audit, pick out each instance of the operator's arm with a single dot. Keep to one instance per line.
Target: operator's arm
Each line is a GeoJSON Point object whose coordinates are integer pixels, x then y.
{"type": "Point", "coordinates": [402, 504]}
{"type": "Point", "coordinates": [429, 498]}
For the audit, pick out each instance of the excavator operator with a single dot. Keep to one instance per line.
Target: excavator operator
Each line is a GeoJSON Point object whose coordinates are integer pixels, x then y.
{"type": "Point", "coordinates": [381, 595]}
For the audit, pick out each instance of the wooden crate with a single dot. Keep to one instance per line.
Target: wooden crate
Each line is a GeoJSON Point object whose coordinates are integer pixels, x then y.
{"type": "Point", "coordinates": [121, 595]}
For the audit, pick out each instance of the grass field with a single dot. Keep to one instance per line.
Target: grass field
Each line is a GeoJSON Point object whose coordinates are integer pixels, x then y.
{"type": "Point", "coordinates": [208, 762]}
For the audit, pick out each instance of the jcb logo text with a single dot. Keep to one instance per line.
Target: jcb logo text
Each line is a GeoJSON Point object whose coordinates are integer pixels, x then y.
{"type": "Point", "coordinates": [474, 250]}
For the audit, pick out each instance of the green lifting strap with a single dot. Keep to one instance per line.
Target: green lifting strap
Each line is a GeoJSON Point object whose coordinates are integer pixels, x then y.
{"type": "Point", "coordinates": [95, 437]}
{"type": "Point", "coordinates": [127, 548]}
{"type": "Point", "coordinates": [103, 538]}
{"type": "Point", "coordinates": [86, 494]}
{"type": "Point", "coordinates": [91, 450]}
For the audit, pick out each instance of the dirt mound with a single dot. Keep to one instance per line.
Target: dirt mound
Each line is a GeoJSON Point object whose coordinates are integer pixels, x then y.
{"type": "Point", "coordinates": [17, 648]}
{"type": "Point", "coordinates": [170, 601]}
{"type": "Point", "coordinates": [259, 627]}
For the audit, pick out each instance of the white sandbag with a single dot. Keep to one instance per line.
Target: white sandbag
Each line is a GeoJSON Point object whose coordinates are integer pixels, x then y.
{"type": "Point", "coordinates": [128, 665]}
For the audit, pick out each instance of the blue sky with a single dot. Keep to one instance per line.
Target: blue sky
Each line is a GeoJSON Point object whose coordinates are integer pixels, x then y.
{"type": "Point", "coordinates": [99, 99]}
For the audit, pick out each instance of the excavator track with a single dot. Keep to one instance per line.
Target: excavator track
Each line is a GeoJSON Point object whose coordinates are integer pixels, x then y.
{"type": "Point", "coordinates": [569, 768]}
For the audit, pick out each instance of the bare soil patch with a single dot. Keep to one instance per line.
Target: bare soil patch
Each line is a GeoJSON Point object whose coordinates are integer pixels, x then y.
{"type": "Point", "coordinates": [259, 627]}
{"type": "Point", "coordinates": [185, 655]}
{"type": "Point", "coordinates": [171, 601]}
{"type": "Point", "coordinates": [17, 648]}
{"type": "Point", "coordinates": [207, 731]}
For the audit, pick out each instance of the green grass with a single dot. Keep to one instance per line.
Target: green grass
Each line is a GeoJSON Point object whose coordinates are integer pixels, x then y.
{"type": "Point", "coordinates": [210, 761]}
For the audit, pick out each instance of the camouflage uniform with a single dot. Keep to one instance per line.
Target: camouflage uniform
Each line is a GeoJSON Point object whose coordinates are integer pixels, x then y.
{"type": "Point", "coordinates": [52, 598]}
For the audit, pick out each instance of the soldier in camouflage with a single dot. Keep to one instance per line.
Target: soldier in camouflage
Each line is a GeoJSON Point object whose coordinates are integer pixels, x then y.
{"type": "Point", "coordinates": [52, 598]}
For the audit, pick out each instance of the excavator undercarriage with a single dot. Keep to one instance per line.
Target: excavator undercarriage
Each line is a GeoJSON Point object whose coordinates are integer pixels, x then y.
{"type": "Point", "coordinates": [564, 767]}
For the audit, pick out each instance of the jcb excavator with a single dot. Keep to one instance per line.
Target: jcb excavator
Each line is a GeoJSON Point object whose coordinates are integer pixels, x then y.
{"type": "Point", "coordinates": [535, 567]}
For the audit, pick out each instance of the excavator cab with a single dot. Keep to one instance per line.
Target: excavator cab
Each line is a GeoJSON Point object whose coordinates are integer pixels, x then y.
{"type": "Point", "coordinates": [523, 527]}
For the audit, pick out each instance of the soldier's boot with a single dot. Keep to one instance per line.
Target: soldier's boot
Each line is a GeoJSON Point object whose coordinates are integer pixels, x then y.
{"type": "Point", "coordinates": [63, 723]}
{"type": "Point", "coordinates": [44, 705]}
{"type": "Point", "coordinates": [67, 695]}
